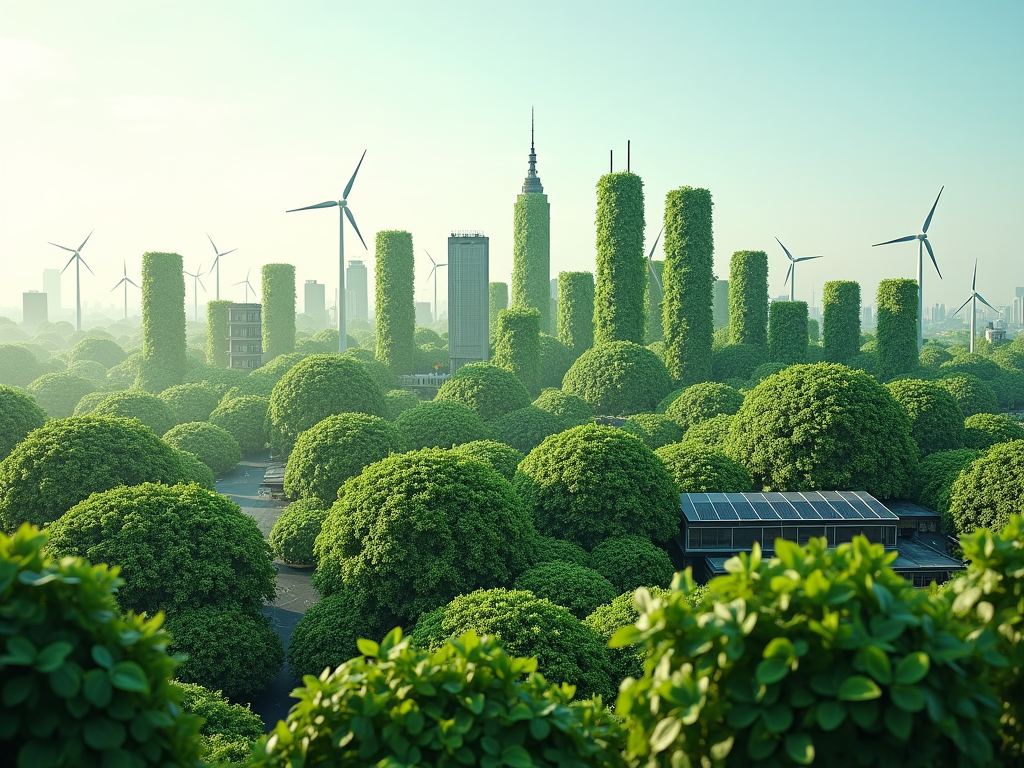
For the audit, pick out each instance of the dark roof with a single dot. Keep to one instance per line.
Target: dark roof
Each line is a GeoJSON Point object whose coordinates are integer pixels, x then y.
{"type": "Point", "coordinates": [836, 506]}
{"type": "Point", "coordinates": [908, 509]}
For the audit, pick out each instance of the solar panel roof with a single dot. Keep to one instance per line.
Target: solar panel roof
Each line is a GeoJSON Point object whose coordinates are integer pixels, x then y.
{"type": "Point", "coordinates": [835, 506]}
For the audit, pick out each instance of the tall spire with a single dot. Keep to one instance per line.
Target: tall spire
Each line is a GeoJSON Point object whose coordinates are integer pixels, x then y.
{"type": "Point", "coordinates": [532, 184]}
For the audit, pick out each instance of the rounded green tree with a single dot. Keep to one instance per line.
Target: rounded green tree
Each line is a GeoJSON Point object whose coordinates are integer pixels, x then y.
{"type": "Point", "coordinates": [575, 587]}
{"type": "Point", "coordinates": [573, 410]}
{"type": "Point", "coordinates": [736, 361]}
{"type": "Point", "coordinates": [490, 390]}
{"type": "Point", "coordinates": [971, 393]}
{"type": "Point", "coordinates": [704, 401]}
{"type": "Point", "coordinates": [441, 424]}
{"type": "Point", "coordinates": [136, 404]}
{"type": "Point", "coordinates": [295, 531]}
{"type": "Point", "coordinates": [619, 378]}
{"type": "Point", "coordinates": [526, 428]}
{"type": "Point", "coordinates": [549, 549]}
{"type": "Point", "coordinates": [989, 490]}
{"type": "Point", "coordinates": [106, 352]}
{"type": "Point", "coordinates": [399, 401]}
{"type": "Point", "coordinates": [629, 562]}
{"type": "Point", "coordinates": [58, 393]}
{"type": "Point", "coordinates": [936, 422]}
{"type": "Point", "coordinates": [89, 402]}
{"type": "Point", "coordinates": [191, 402]}
{"type": "Point", "coordinates": [228, 730]}
{"type": "Point", "coordinates": [501, 457]}
{"type": "Point", "coordinates": [212, 445]}
{"type": "Point", "coordinates": [713, 433]}
{"type": "Point", "coordinates": [972, 363]}
{"type": "Point", "coordinates": [699, 468]}
{"type": "Point", "coordinates": [983, 430]}
{"type": "Point", "coordinates": [655, 429]}
{"type": "Point", "coordinates": [245, 418]}
{"type": "Point", "coordinates": [19, 415]}
{"type": "Point", "coordinates": [824, 426]}
{"type": "Point", "coordinates": [18, 366]}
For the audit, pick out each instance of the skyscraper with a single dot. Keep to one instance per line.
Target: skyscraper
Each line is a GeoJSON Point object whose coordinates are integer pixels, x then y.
{"type": "Point", "coordinates": [468, 298]}
{"type": "Point", "coordinates": [358, 295]}
{"type": "Point", "coordinates": [314, 302]}
{"type": "Point", "coordinates": [531, 254]}
{"type": "Point", "coordinates": [33, 308]}
{"type": "Point", "coordinates": [51, 287]}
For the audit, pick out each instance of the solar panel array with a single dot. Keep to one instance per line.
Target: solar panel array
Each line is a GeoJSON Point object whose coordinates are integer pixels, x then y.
{"type": "Point", "coordinates": [835, 506]}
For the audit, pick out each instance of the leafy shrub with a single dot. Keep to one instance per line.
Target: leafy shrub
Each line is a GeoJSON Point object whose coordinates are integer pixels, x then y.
{"type": "Point", "coordinates": [824, 426]}
{"type": "Point", "coordinates": [846, 664]}
{"type": "Point", "coordinates": [295, 531]}
{"type": "Point", "coordinates": [278, 298]}
{"type": "Point", "coordinates": [549, 549]}
{"type": "Point", "coordinates": [555, 360]}
{"type": "Point", "coordinates": [934, 480]}
{"type": "Point", "coordinates": [629, 562]}
{"type": "Point", "coordinates": [502, 458]}
{"type": "Point", "coordinates": [987, 492]}
{"type": "Point", "coordinates": [748, 298]}
{"type": "Point", "coordinates": [526, 428]}
{"type": "Point", "coordinates": [124, 375]}
{"type": "Point", "coordinates": [103, 351]}
{"type": "Point", "coordinates": [135, 404]}
{"type": "Point", "coordinates": [245, 418]}
{"type": "Point", "coordinates": [229, 649]}
{"type": "Point", "coordinates": [1008, 359]}
{"type": "Point", "coordinates": [1009, 389]}
{"type": "Point", "coordinates": [212, 445]}
{"type": "Point", "coordinates": [18, 366]}
{"type": "Point", "coordinates": [89, 369]}
{"type": "Point", "coordinates": [575, 587]}
{"type": "Point", "coordinates": [701, 402]}
{"type": "Point", "coordinates": [19, 415]}
{"type": "Point", "coordinates": [225, 378]}
{"type": "Point", "coordinates": [531, 254]}
{"type": "Point", "coordinates": [765, 370]}
{"type": "Point", "coordinates": [698, 468]}
{"type": "Point", "coordinates": [591, 482]}
{"type": "Point", "coordinates": [191, 402]}
{"type": "Point", "coordinates": [787, 332]}
{"type": "Point", "coordinates": [395, 310]}
{"type": "Point", "coordinates": [897, 327]}
{"type": "Point", "coordinates": [378, 370]}
{"type": "Point", "coordinates": [416, 696]}
{"type": "Point", "coordinates": [736, 361]}
{"type": "Point", "coordinates": [841, 312]}
{"type": "Point", "coordinates": [713, 433]}
{"type": "Point", "coordinates": [654, 429]}
{"type": "Point", "coordinates": [315, 388]}
{"type": "Point", "coordinates": [75, 670]}
{"type": "Point", "coordinates": [933, 355]}
{"type": "Point", "coordinates": [441, 424]}
{"type": "Point", "coordinates": [936, 422]}
{"type": "Point", "coordinates": [517, 345]}
{"type": "Point", "coordinates": [573, 410]}
{"type": "Point", "coordinates": [329, 453]}
{"type": "Point", "coordinates": [526, 625]}
{"type": "Point", "coordinates": [971, 393]}
{"type": "Point", "coordinates": [490, 390]}
{"type": "Point", "coordinates": [416, 529]}
{"type": "Point", "coordinates": [983, 430]}
{"type": "Point", "coordinates": [619, 379]}
{"type": "Point", "coordinates": [576, 311]}
{"type": "Point", "coordinates": [229, 729]}
{"type": "Point", "coordinates": [62, 462]}
{"type": "Point", "coordinates": [972, 363]}
{"type": "Point", "coordinates": [177, 546]}
{"type": "Point", "coordinates": [398, 401]}
{"type": "Point", "coordinates": [58, 393]}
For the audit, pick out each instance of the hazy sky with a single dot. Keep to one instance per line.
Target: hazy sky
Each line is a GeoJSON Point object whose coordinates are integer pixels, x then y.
{"type": "Point", "coordinates": [831, 125]}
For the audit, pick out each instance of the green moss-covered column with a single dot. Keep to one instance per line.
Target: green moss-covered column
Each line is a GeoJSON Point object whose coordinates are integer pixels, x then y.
{"type": "Point", "coordinates": [217, 342]}
{"type": "Point", "coordinates": [531, 254]}
{"type": "Point", "coordinates": [897, 327]}
{"type": "Point", "coordinates": [395, 308]}
{"type": "Point", "coordinates": [278, 292]}
{"type": "Point", "coordinates": [620, 297]}
{"type": "Point", "coordinates": [654, 302]}
{"type": "Point", "coordinates": [687, 316]}
{"type": "Point", "coordinates": [517, 345]}
{"type": "Point", "coordinates": [576, 311]}
{"type": "Point", "coordinates": [163, 321]}
{"type": "Point", "coordinates": [787, 332]}
{"type": "Point", "coordinates": [840, 332]}
{"type": "Point", "coordinates": [748, 298]}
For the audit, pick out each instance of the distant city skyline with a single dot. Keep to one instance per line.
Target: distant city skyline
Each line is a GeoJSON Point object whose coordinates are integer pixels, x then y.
{"type": "Point", "coordinates": [825, 125]}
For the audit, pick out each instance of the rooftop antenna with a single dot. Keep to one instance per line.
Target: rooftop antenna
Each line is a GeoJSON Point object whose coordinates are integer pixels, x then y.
{"type": "Point", "coordinates": [611, 166]}
{"type": "Point", "coordinates": [627, 156]}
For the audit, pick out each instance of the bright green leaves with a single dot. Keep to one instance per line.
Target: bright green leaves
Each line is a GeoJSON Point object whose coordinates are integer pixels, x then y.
{"type": "Point", "coordinates": [875, 662]}
{"type": "Point", "coordinates": [128, 676]}
{"type": "Point", "coordinates": [800, 748]}
{"type": "Point", "coordinates": [859, 688]}
{"type": "Point", "coordinates": [912, 668]}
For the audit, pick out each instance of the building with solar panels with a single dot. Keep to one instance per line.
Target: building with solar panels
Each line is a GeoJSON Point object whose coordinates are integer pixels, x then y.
{"type": "Point", "coordinates": [716, 526]}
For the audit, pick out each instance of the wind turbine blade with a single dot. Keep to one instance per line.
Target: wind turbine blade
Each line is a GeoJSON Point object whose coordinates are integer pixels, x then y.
{"type": "Point", "coordinates": [247, 274]}
{"type": "Point", "coordinates": [974, 280]}
{"type": "Point", "coordinates": [119, 283]}
{"type": "Point", "coordinates": [932, 254]}
{"type": "Point", "coordinates": [906, 239]}
{"type": "Point", "coordinates": [928, 221]}
{"type": "Point", "coordinates": [964, 305]}
{"type": "Point", "coordinates": [86, 241]}
{"type": "Point", "coordinates": [69, 250]}
{"type": "Point", "coordinates": [211, 242]}
{"type": "Point", "coordinates": [430, 257]}
{"type": "Point", "coordinates": [86, 265]}
{"type": "Point", "coordinates": [352, 221]}
{"type": "Point", "coordinates": [807, 258]}
{"type": "Point", "coordinates": [348, 187]}
{"type": "Point", "coordinates": [656, 240]}
{"type": "Point", "coordinates": [982, 300]}
{"type": "Point", "coordinates": [225, 254]}
{"type": "Point", "coordinates": [69, 262]}
{"type": "Point", "coordinates": [790, 255]}
{"type": "Point", "coordinates": [132, 282]}
{"type": "Point", "coordinates": [788, 273]}
{"type": "Point", "coordinates": [655, 279]}
{"type": "Point", "coordinates": [427, 281]}
{"type": "Point", "coordinates": [327, 204]}
{"type": "Point", "coordinates": [198, 280]}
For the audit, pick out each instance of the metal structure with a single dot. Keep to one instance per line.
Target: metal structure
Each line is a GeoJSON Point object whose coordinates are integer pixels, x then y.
{"type": "Point", "coordinates": [195, 290]}
{"type": "Point", "coordinates": [973, 301]}
{"type": "Point", "coordinates": [791, 272]}
{"type": "Point", "coordinates": [77, 258]}
{"type": "Point", "coordinates": [125, 281]}
{"type": "Point", "coordinates": [922, 243]}
{"type": "Point", "coordinates": [433, 274]}
{"type": "Point", "coordinates": [343, 212]}
{"type": "Point", "coordinates": [216, 262]}
{"type": "Point", "coordinates": [247, 285]}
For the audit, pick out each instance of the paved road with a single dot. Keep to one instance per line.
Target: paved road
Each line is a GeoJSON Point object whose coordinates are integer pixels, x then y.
{"type": "Point", "coordinates": [294, 592]}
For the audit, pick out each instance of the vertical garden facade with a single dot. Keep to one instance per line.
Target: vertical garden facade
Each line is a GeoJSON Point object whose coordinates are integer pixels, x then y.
{"type": "Point", "coordinates": [278, 292]}
{"type": "Point", "coordinates": [395, 308]}
{"type": "Point", "coordinates": [163, 321]}
{"type": "Point", "coordinates": [748, 298]}
{"type": "Point", "coordinates": [840, 332]}
{"type": "Point", "coordinates": [620, 306]}
{"type": "Point", "coordinates": [576, 311]}
{"type": "Point", "coordinates": [897, 327]}
{"type": "Point", "coordinates": [497, 300]}
{"type": "Point", "coordinates": [517, 345]}
{"type": "Point", "coordinates": [787, 332]}
{"type": "Point", "coordinates": [531, 254]}
{"type": "Point", "coordinates": [217, 342]}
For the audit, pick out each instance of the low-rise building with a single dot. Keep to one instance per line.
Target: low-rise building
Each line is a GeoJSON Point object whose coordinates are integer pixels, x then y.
{"type": "Point", "coordinates": [245, 336]}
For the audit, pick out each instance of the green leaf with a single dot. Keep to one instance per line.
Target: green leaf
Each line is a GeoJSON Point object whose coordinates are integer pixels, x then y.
{"type": "Point", "coordinates": [912, 668]}
{"type": "Point", "coordinates": [128, 676]}
{"type": "Point", "coordinates": [101, 655]}
{"type": "Point", "coordinates": [97, 689]}
{"type": "Point", "coordinates": [66, 681]}
{"type": "Point", "coordinates": [906, 697]}
{"type": "Point", "coordinates": [20, 652]}
{"type": "Point", "coordinates": [624, 636]}
{"type": "Point", "coordinates": [368, 647]}
{"type": "Point", "coordinates": [664, 735]}
{"type": "Point", "coordinates": [800, 748]}
{"type": "Point", "coordinates": [52, 656]}
{"type": "Point", "coordinates": [778, 718]}
{"type": "Point", "coordinates": [859, 688]}
{"type": "Point", "coordinates": [16, 690]}
{"type": "Point", "coordinates": [771, 671]}
{"type": "Point", "coordinates": [831, 714]}
{"type": "Point", "coordinates": [540, 728]}
{"type": "Point", "coordinates": [899, 722]}
{"type": "Point", "coordinates": [103, 733]}
{"type": "Point", "coordinates": [516, 757]}
{"type": "Point", "coordinates": [876, 662]}
{"type": "Point", "coordinates": [779, 648]}
{"type": "Point", "coordinates": [742, 716]}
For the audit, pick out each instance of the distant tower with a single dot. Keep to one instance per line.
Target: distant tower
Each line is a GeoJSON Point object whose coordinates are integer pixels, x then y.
{"type": "Point", "coordinates": [33, 309]}
{"type": "Point", "coordinates": [315, 302]}
{"type": "Point", "coordinates": [531, 257]}
{"type": "Point", "coordinates": [355, 280]}
{"type": "Point", "coordinates": [51, 287]}
{"type": "Point", "coordinates": [468, 298]}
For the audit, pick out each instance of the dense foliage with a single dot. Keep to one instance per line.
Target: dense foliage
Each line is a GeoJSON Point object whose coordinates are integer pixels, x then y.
{"type": "Point", "coordinates": [983, 430]}
{"type": "Point", "coordinates": [592, 482]}
{"type": "Point", "coordinates": [526, 428]}
{"type": "Point", "coordinates": [555, 361]}
{"type": "Point", "coordinates": [18, 366]}
{"type": "Point", "coordinates": [787, 332]}
{"type": "Point", "coordinates": [163, 321]}
{"type": "Point", "coordinates": [531, 255]}
{"type": "Point", "coordinates": [576, 311]}
{"type": "Point", "coordinates": [497, 300]}
{"type": "Point", "coordinates": [619, 379]}
{"type": "Point", "coordinates": [137, 404]}
{"type": "Point", "coordinates": [315, 388]}
{"type": "Point", "coordinates": [214, 446]}
{"type": "Point", "coordinates": [655, 302]}
{"type": "Point", "coordinates": [701, 402]}
{"type": "Point", "coordinates": [416, 529]}
{"type": "Point", "coordinates": [330, 452]}
{"type": "Point", "coordinates": [58, 393]}
{"type": "Point", "coordinates": [620, 311]}
{"type": "Point", "coordinates": [191, 402]}
{"type": "Point", "coordinates": [395, 310]}
{"type": "Point", "coordinates": [517, 345]}
{"type": "Point", "coordinates": [217, 344]}
{"type": "Point", "coordinates": [687, 315]}
{"type": "Point", "coordinates": [19, 415]}
{"type": "Point", "coordinates": [629, 562]}
{"type": "Point", "coordinates": [83, 685]}
{"type": "Point", "coordinates": [936, 422]}
{"type": "Point", "coordinates": [278, 321]}
{"type": "Point", "coordinates": [106, 352]}
{"type": "Point", "coordinates": [578, 588]}
{"type": "Point", "coordinates": [440, 424]}
{"type": "Point", "coordinates": [748, 298]}
{"type": "Point", "coordinates": [571, 409]}
{"type": "Point", "coordinates": [736, 361]}
{"type": "Point", "coordinates": [489, 389]}
{"type": "Point", "coordinates": [655, 429]}
{"type": "Point", "coordinates": [934, 480]}
{"type": "Point", "coordinates": [989, 491]}
{"type": "Point", "coordinates": [245, 418]}
{"type": "Point", "coordinates": [608, 619]}
{"type": "Point", "coordinates": [973, 363]}
{"type": "Point", "coordinates": [971, 393]}
{"type": "Point", "coordinates": [840, 302]}
{"type": "Point", "coordinates": [228, 730]}
{"type": "Point", "coordinates": [897, 327]}
{"type": "Point", "coordinates": [824, 426]}
{"type": "Point", "coordinates": [500, 457]}
{"type": "Point", "coordinates": [549, 549]}
{"type": "Point", "coordinates": [400, 400]}
{"type": "Point", "coordinates": [295, 531]}
{"type": "Point", "coordinates": [713, 433]}
{"type": "Point", "coordinates": [701, 468]}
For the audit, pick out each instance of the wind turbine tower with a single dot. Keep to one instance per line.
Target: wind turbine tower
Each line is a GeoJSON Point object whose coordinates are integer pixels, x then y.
{"type": "Point", "coordinates": [216, 262]}
{"type": "Point", "coordinates": [247, 285]}
{"type": "Point", "coordinates": [125, 281]}
{"type": "Point", "coordinates": [973, 301]}
{"type": "Point", "coordinates": [791, 272]}
{"type": "Point", "coordinates": [433, 273]}
{"type": "Point", "coordinates": [195, 290]}
{"type": "Point", "coordinates": [77, 258]}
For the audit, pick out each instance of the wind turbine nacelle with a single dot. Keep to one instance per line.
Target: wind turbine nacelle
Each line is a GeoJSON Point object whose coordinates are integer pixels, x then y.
{"type": "Point", "coordinates": [922, 236]}
{"type": "Point", "coordinates": [342, 204]}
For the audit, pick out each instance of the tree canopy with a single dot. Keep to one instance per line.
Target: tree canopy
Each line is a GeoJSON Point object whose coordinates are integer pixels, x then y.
{"type": "Point", "coordinates": [703, 401]}
{"type": "Point", "coordinates": [19, 415]}
{"type": "Point", "coordinates": [214, 446]}
{"type": "Point", "coordinates": [619, 378]}
{"type": "Point", "coordinates": [245, 418]}
{"type": "Point", "coordinates": [136, 404]}
{"type": "Point", "coordinates": [488, 389]}
{"type": "Point", "coordinates": [441, 424]}
{"type": "Point", "coordinates": [989, 490]}
{"type": "Point", "coordinates": [936, 421]}
{"type": "Point", "coordinates": [578, 588]}
{"type": "Point", "coordinates": [501, 457]}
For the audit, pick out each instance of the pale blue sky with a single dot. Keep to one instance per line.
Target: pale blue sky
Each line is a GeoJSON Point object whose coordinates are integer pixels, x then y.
{"type": "Point", "coordinates": [831, 125]}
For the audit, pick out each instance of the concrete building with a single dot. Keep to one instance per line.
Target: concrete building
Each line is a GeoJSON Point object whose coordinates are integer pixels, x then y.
{"type": "Point", "coordinates": [51, 287]}
{"type": "Point", "coordinates": [33, 309]}
{"type": "Point", "coordinates": [314, 302]}
{"type": "Point", "coordinates": [245, 336]}
{"type": "Point", "coordinates": [358, 298]}
{"type": "Point", "coordinates": [1018, 306]}
{"type": "Point", "coordinates": [468, 298]}
{"type": "Point", "coordinates": [867, 319]}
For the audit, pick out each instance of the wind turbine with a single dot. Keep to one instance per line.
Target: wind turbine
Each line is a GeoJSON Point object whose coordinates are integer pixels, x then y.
{"type": "Point", "coordinates": [650, 265]}
{"type": "Point", "coordinates": [791, 272]}
{"type": "Point", "coordinates": [195, 292]}
{"type": "Point", "coordinates": [125, 281]}
{"type": "Point", "coordinates": [922, 243]}
{"type": "Point", "coordinates": [77, 258]}
{"type": "Point", "coordinates": [247, 285]}
{"type": "Point", "coordinates": [216, 262]}
{"type": "Point", "coordinates": [343, 211]}
{"type": "Point", "coordinates": [973, 301]}
{"type": "Point", "coordinates": [433, 273]}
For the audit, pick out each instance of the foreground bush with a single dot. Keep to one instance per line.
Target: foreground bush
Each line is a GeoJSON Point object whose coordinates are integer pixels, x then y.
{"type": "Point", "coordinates": [229, 729]}
{"type": "Point", "coordinates": [575, 587]}
{"type": "Point", "coordinates": [818, 655]}
{"type": "Point", "coordinates": [212, 445]}
{"type": "Point", "coordinates": [619, 378]}
{"type": "Point", "coordinates": [629, 562]}
{"type": "Point", "coordinates": [19, 415]}
{"type": "Point", "coordinates": [462, 704]}
{"type": "Point", "coordinates": [986, 493]}
{"type": "Point", "coordinates": [608, 619]}
{"type": "Point", "coordinates": [295, 531]}
{"type": "Point", "coordinates": [83, 685]}
{"type": "Point", "coordinates": [245, 418]}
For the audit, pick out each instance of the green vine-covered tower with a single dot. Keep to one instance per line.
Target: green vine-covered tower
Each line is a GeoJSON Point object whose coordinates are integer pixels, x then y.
{"type": "Point", "coordinates": [531, 255]}
{"type": "Point", "coordinates": [620, 296]}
